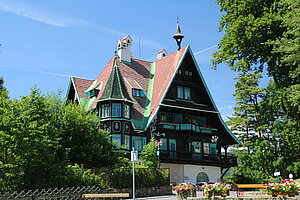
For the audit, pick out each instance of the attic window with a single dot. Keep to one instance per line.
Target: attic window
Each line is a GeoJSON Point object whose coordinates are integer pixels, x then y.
{"type": "Point", "coordinates": [138, 92]}
{"type": "Point", "coordinates": [92, 93]}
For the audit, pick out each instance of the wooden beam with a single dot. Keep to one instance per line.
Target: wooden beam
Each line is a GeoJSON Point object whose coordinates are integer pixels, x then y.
{"type": "Point", "coordinates": [186, 108]}
{"type": "Point", "coordinates": [108, 195]}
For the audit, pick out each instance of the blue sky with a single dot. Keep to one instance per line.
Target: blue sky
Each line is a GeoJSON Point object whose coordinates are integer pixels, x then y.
{"type": "Point", "coordinates": [43, 43]}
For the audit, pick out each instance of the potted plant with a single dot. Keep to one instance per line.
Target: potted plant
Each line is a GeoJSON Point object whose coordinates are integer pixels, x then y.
{"type": "Point", "coordinates": [216, 189]}
{"type": "Point", "coordinates": [286, 187]}
{"type": "Point", "coordinates": [185, 190]}
{"type": "Point", "coordinates": [290, 187]}
{"type": "Point", "coordinates": [273, 189]}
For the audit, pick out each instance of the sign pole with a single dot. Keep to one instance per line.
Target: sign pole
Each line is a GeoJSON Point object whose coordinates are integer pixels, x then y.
{"type": "Point", "coordinates": [133, 159]}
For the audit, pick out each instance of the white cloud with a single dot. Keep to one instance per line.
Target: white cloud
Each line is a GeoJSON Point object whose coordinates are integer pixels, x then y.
{"type": "Point", "coordinates": [39, 14]}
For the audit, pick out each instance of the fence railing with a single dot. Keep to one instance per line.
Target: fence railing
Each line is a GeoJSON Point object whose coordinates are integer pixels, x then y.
{"type": "Point", "coordinates": [73, 193]}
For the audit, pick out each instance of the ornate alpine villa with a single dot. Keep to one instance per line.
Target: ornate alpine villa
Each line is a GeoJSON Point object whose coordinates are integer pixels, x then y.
{"type": "Point", "coordinates": [167, 100]}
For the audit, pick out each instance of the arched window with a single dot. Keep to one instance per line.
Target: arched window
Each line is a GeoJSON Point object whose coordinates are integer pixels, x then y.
{"type": "Point", "coordinates": [202, 177]}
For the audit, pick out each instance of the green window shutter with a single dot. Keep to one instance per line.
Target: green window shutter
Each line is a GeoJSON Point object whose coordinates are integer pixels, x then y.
{"type": "Point", "coordinates": [213, 148]}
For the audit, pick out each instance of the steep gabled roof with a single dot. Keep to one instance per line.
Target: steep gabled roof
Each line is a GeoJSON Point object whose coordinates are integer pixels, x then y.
{"type": "Point", "coordinates": [77, 87]}
{"type": "Point", "coordinates": [118, 78]}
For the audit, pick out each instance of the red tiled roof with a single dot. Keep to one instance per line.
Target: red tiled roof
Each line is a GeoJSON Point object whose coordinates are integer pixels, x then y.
{"type": "Point", "coordinates": [138, 71]}
{"type": "Point", "coordinates": [81, 85]}
{"type": "Point", "coordinates": [161, 51]}
{"type": "Point", "coordinates": [164, 71]}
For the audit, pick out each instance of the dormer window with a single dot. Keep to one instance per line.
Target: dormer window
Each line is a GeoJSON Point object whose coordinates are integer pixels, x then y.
{"type": "Point", "coordinates": [138, 92]}
{"type": "Point", "coordinates": [183, 92]}
{"type": "Point", "coordinates": [91, 93]}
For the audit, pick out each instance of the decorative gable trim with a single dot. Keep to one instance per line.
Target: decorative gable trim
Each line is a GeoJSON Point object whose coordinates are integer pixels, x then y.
{"type": "Point", "coordinates": [168, 87]}
{"type": "Point", "coordinates": [188, 49]}
{"type": "Point", "coordinates": [211, 99]}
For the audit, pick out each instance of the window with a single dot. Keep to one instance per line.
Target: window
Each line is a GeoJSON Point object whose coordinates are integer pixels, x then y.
{"type": "Point", "coordinates": [127, 141]}
{"type": "Point", "coordinates": [90, 93]}
{"type": "Point", "coordinates": [163, 116]}
{"type": "Point", "coordinates": [117, 138]}
{"type": "Point", "coordinates": [183, 92]}
{"type": "Point", "coordinates": [105, 110]}
{"type": "Point", "coordinates": [127, 111]}
{"type": "Point", "coordinates": [116, 110]}
{"type": "Point", "coordinates": [180, 94]}
{"type": "Point", "coordinates": [178, 118]}
{"type": "Point", "coordinates": [138, 92]}
{"type": "Point", "coordinates": [213, 148]}
{"type": "Point", "coordinates": [196, 147]}
{"type": "Point", "coordinates": [210, 148]}
{"type": "Point", "coordinates": [138, 142]}
{"type": "Point", "coordinates": [163, 146]}
{"type": "Point", "coordinates": [187, 93]}
{"type": "Point", "coordinates": [206, 148]}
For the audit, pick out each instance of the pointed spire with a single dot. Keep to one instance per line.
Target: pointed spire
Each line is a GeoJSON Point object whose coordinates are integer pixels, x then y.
{"type": "Point", "coordinates": [115, 87]}
{"type": "Point", "coordinates": [178, 35]}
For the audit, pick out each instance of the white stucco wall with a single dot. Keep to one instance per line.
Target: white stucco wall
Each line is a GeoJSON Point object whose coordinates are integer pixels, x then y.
{"type": "Point", "coordinates": [176, 172]}
{"type": "Point", "coordinates": [191, 172]}
{"type": "Point", "coordinates": [188, 173]}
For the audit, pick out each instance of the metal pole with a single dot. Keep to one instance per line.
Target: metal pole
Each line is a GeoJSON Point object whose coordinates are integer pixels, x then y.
{"type": "Point", "coordinates": [133, 176]}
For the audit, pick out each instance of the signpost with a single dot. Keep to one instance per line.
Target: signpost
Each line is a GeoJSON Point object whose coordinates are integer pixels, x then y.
{"type": "Point", "coordinates": [134, 157]}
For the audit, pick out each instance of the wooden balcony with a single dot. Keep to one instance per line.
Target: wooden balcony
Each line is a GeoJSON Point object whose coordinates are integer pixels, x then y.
{"type": "Point", "coordinates": [186, 127]}
{"type": "Point", "coordinates": [197, 158]}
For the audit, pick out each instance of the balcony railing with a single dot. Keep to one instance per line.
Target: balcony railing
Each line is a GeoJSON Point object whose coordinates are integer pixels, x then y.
{"type": "Point", "coordinates": [197, 158]}
{"type": "Point", "coordinates": [186, 127]}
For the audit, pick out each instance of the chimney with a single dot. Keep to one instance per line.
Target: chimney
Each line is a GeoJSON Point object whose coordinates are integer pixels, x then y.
{"type": "Point", "coordinates": [162, 53]}
{"type": "Point", "coordinates": [124, 49]}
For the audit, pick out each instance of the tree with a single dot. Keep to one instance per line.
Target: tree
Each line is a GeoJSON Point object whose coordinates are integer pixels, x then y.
{"type": "Point", "coordinates": [149, 154]}
{"type": "Point", "coordinates": [82, 140]}
{"type": "Point", "coordinates": [1, 83]}
{"type": "Point", "coordinates": [264, 34]}
{"type": "Point", "coordinates": [246, 117]}
{"type": "Point", "coordinates": [41, 138]}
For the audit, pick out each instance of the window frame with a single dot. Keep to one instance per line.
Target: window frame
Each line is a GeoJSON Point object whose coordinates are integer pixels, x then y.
{"type": "Point", "coordinates": [126, 111]}
{"type": "Point", "coordinates": [116, 111]}
{"type": "Point", "coordinates": [183, 92]}
{"type": "Point", "coordinates": [105, 110]}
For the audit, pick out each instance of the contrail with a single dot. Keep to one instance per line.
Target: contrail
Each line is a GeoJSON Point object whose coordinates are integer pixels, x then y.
{"type": "Point", "coordinates": [38, 71]}
{"type": "Point", "coordinates": [203, 50]}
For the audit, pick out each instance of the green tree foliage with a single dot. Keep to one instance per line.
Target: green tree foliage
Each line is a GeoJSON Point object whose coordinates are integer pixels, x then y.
{"type": "Point", "coordinates": [264, 34]}
{"type": "Point", "coordinates": [82, 140]}
{"type": "Point", "coordinates": [149, 154]}
{"type": "Point", "coordinates": [277, 149]}
{"type": "Point", "coordinates": [40, 136]}
{"type": "Point", "coordinates": [247, 113]}
{"type": "Point", "coordinates": [1, 83]}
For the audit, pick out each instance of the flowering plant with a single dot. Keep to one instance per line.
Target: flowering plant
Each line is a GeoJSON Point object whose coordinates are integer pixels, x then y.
{"type": "Point", "coordinates": [216, 188]}
{"type": "Point", "coordinates": [181, 187]}
{"type": "Point", "coordinates": [285, 187]}
{"type": "Point", "coordinates": [184, 190]}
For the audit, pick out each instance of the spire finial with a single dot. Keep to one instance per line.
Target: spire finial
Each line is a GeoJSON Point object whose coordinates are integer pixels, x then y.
{"type": "Point", "coordinates": [178, 35]}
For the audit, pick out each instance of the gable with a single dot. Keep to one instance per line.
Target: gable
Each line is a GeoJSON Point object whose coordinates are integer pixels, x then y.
{"type": "Point", "coordinates": [182, 69]}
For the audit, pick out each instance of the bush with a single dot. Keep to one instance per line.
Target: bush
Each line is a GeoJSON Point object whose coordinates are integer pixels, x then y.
{"type": "Point", "coordinates": [144, 177]}
{"type": "Point", "coordinates": [77, 176]}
